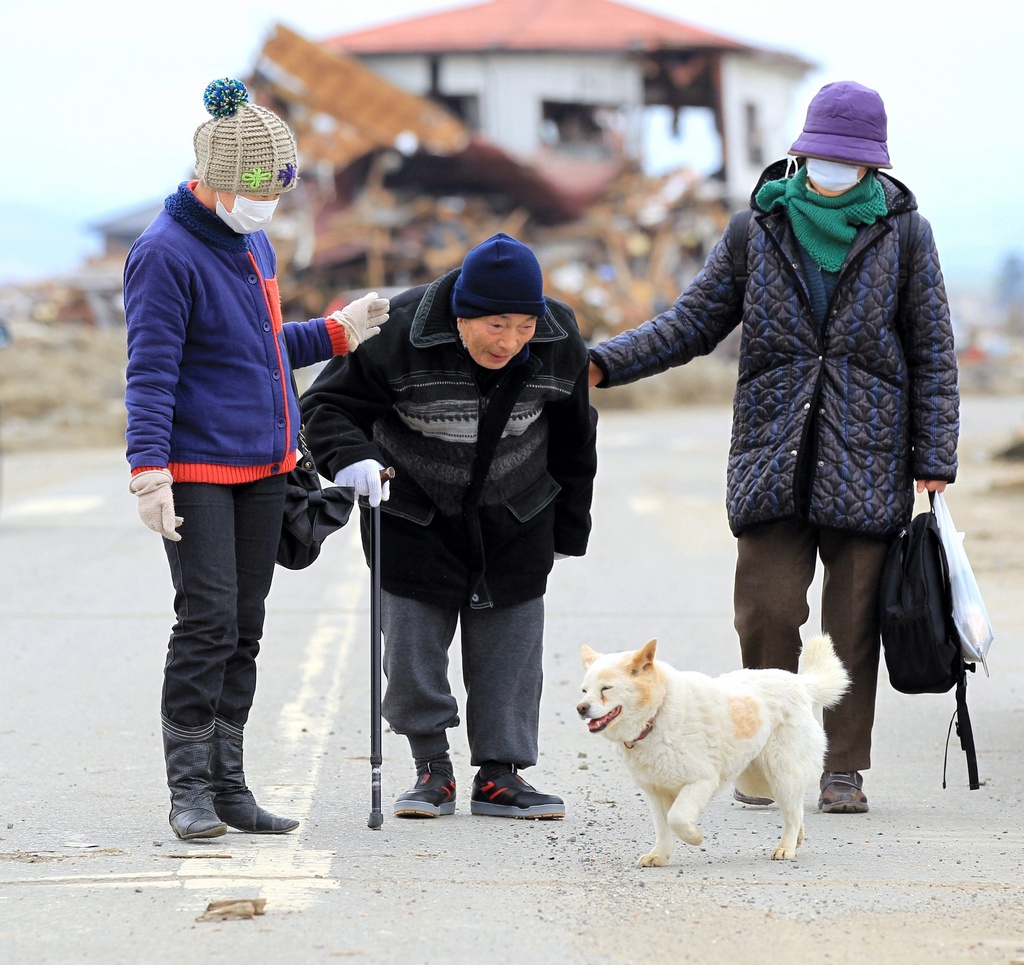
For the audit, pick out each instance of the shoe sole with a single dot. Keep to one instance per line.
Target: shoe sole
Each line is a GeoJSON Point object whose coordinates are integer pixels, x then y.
{"type": "Point", "coordinates": [539, 811]}
{"type": "Point", "coordinates": [214, 832]}
{"type": "Point", "coordinates": [287, 830]}
{"type": "Point", "coordinates": [844, 807]}
{"type": "Point", "coordinates": [418, 809]}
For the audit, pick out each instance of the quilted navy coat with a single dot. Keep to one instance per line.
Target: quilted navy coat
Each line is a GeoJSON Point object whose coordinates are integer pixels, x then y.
{"type": "Point", "coordinates": [832, 422]}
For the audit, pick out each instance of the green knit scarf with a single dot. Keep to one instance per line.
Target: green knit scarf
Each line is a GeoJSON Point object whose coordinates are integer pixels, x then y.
{"type": "Point", "coordinates": [825, 226]}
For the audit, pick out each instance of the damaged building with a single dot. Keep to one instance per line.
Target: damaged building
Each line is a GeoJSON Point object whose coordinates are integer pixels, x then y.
{"type": "Point", "coordinates": [422, 137]}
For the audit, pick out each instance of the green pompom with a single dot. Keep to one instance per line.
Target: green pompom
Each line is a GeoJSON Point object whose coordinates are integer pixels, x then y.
{"type": "Point", "coordinates": [224, 96]}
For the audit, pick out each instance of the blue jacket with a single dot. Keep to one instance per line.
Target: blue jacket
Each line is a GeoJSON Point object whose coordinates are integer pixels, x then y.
{"type": "Point", "coordinates": [209, 391]}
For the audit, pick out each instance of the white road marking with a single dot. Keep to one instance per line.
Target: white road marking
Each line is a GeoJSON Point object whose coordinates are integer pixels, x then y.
{"type": "Point", "coordinates": [69, 506]}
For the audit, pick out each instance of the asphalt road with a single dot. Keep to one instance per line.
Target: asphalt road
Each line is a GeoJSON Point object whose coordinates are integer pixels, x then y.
{"type": "Point", "coordinates": [90, 873]}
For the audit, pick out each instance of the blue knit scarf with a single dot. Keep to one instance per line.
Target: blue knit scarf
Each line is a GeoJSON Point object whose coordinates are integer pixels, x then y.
{"type": "Point", "coordinates": [185, 208]}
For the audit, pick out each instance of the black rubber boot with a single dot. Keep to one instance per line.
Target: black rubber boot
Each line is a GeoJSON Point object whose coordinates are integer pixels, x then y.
{"type": "Point", "coordinates": [233, 801]}
{"type": "Point", "coordinates": [188, 753]}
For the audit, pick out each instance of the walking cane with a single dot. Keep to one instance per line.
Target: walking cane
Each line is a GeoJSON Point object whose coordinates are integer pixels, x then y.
{"type": "Point", "coordinates": [376, 818]}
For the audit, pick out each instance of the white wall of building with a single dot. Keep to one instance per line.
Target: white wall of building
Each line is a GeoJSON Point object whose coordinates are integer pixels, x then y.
{"type": "Point", "coordinates": [768, 86]}
{"type": "Point", "coordinates": [511, 88]}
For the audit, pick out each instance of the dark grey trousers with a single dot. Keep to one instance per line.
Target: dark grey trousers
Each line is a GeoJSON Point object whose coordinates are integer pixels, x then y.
{"type": "Point", "coordinates": [502, 651]}
{"type": "Point", "coordinates": [774, 569]}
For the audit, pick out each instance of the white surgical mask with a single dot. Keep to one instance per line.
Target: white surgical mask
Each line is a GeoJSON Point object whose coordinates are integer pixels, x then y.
{"type": "Point", "coordinates": [832, 175]}
{"type": "Point", "coordinates": [246, 215]}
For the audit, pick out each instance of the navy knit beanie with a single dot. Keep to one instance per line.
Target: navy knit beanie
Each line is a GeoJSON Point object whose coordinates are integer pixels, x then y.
{"type": "Point", "coordinates": [500, 276]}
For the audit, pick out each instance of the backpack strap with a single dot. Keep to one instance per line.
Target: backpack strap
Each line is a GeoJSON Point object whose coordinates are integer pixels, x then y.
{"type": "Point", "coordinates": [964, 730]}
{"type": "Point", "coordinates": [738, 233]}
{"type": "Point", "coordinates": [906, 238]}
{"type": "Point", "coordinates": [962, 719]}
{"type": "Point", "coordinates": [906, 232]}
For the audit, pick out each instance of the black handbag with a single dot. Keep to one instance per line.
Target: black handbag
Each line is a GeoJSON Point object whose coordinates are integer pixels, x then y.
{"type": "Point", "coordinates": [311, 513]}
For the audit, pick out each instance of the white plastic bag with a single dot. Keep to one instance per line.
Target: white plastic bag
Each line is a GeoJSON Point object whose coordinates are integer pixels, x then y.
{"type": "Point", "coordinates": [969, 613]}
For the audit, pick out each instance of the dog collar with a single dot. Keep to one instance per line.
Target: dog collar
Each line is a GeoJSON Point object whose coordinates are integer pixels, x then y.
{"type": "Point", "coordinates": [648, 727]}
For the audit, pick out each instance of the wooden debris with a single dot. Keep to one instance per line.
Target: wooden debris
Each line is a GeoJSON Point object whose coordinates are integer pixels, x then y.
{"type": "Point", "coordinates": [626, 259]}
{"type": "Point", "coordinates": [233, 908]}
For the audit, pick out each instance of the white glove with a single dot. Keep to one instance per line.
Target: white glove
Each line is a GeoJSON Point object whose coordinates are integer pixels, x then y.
{"type": "Point", "coordinates": [362, 318]}
{"type": "Point", "coordinates": [156, 503]}
{"type": "Point", "coordinates": [364, 478]}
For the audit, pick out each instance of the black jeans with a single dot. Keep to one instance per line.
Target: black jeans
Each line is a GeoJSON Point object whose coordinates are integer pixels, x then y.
{"type": "Point", "coordinates": [222, 569]}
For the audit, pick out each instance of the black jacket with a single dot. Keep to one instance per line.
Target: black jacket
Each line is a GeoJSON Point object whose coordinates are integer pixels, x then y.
{"type": "Point", "coordinates": [831, 422]}
{"type": "Point", "coordinates": [488, 486]}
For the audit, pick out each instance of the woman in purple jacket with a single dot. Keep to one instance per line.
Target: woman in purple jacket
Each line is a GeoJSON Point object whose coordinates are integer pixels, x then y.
{"type": "Point", "coordinates": [846, 398]}
{"type": "Point", "coordinates": [212, 434]}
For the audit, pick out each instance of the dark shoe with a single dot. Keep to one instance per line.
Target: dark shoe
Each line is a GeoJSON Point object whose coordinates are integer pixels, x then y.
{"type": "Point", "coordinates": [232, 800]}
{"type": "Point", "coordinates": [841, 793]}
{"type": "Point", "coordinates": [188, 755]}
{"type": "Point", "coordinates": [431, 796]}
{"type": "Point", "coordinates": [507, 795]}
{"type": "Point", "coordinates": [761, 802]}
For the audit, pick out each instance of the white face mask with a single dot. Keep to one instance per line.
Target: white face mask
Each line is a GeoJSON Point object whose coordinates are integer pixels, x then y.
{"type": "Point", "coordinates": [246, 215]}
{"type": "Point", "coordinates": [832, 175]}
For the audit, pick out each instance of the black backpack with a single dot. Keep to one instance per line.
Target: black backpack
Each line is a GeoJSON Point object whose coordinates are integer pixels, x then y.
{"type": "Point", "coordinates": [919, 639]}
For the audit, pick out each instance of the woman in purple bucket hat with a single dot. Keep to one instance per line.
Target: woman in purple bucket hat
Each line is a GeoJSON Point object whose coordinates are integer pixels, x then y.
{"type": "Point", "coordinates": [847, 395]}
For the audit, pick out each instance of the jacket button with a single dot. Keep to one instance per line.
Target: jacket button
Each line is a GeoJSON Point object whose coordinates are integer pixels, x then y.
{"type": "Point", "coordinates": [807, 405]}
{"type": "Point", "coordinates": [275, 468]}
{"type": "Point", "coordinates": [475, 598]}
{"type": "Point", "coordinates": [280, 423]}
{"type": "Point", "coordinates": [266, 326]}
{"type": "Point", "coordinates": [252, 279]}
{"type": "Point", "coordinates": [277, 375]}
{"type": "Point", "coordinates": [820, 463]}
{"type": "Point", "coordinates": [793, 452]}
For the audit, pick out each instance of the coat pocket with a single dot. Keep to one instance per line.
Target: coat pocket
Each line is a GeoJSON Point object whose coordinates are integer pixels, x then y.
{"type": "Point", "coordinates": [407, 504]}
{"type": "Point", "coordinates": [539, 494]}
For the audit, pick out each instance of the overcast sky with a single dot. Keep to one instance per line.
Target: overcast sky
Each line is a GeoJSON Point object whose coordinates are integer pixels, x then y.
{"type": "Point", "coordinates": [101, 100]}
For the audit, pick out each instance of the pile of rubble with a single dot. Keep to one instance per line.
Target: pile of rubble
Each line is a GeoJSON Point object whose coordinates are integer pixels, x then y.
{"type": "Point", "coordinates": [624, 260]}
{"type": "Point", "coordinates": [62, 374]}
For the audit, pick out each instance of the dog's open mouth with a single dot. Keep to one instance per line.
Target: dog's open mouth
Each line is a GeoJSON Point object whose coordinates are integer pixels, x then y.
{"type": "Point", "coordinates": [597, 724]}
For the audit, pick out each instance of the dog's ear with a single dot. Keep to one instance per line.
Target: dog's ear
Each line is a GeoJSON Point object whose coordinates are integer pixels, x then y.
{"type": "Point", "coordinates": [643, 659]}
{"type": "Point", "coordinates": [589, 656]}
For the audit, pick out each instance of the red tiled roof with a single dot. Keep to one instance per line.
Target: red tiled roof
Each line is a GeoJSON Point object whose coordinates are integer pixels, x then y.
{"type": "Point", "coordinates": [591, 25]}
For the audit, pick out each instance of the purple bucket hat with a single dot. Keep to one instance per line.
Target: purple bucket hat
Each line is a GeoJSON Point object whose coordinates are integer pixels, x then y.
{"type": "Point", "coordinates": [845, 122]}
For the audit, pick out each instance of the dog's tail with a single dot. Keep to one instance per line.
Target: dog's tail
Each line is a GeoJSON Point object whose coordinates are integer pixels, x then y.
{"type": "Point", "coordinates": [823, 672]}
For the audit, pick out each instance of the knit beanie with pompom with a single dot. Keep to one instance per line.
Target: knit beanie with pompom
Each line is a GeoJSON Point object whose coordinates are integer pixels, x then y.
{"type": "Point", "coordinates": [244, 148]}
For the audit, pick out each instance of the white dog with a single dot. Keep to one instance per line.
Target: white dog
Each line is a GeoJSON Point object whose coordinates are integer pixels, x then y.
{"type": "Point", "coordinates": [684, 735]}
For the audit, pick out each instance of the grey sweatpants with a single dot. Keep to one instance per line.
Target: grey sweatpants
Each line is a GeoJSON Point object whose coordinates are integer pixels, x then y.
{"type": "Point", "coordinates": [502, 669]}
